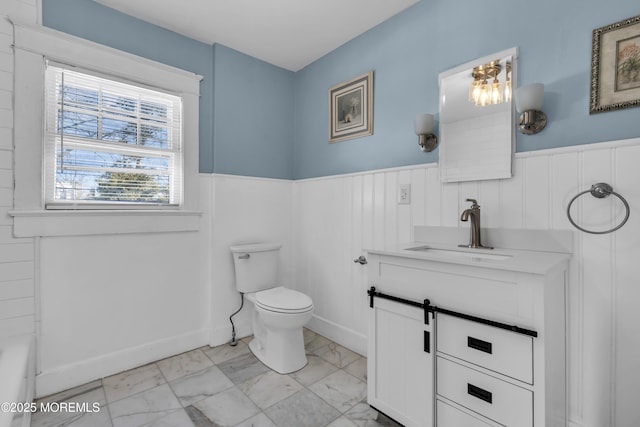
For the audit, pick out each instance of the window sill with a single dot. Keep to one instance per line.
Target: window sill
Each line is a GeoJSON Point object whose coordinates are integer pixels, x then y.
{"type": "Point", "coordinates": [34, 223]}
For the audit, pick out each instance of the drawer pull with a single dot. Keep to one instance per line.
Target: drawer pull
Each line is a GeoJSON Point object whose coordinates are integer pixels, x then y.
{"type": "Point", "coordinates": [479, 345]}
{"type": "Point", "coordinates": [479, 393]}
{"type": "Point", "coordinates": [427, 342]}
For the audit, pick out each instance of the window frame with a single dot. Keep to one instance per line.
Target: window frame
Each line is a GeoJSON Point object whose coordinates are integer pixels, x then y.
{"type": "Point", "coordinates": [33, 45]}
{"type": "Point", "coordinates": [173, 153]}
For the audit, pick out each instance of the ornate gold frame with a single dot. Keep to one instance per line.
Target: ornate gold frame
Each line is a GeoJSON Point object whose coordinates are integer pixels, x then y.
{"type": "Point", "coordinates": [604, 95]}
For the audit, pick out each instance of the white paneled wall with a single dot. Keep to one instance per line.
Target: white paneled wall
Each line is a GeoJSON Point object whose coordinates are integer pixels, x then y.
{"type": "Point", "coordinates": [17, 305]}
{"type": "Point", "coordinates": [242, 210]}
{"type": "Point", "coordinates": [109, 303]}
{"type": "Point", "coordinates": [337, 218]}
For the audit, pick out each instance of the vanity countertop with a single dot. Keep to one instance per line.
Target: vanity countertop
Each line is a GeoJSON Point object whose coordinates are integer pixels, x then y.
{"type": "Point", "coordinates": [525, 261]}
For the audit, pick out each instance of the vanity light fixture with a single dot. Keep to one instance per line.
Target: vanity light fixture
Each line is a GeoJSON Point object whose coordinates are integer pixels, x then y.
{"type": "Point", "coordinates": [483, 91]}
{"type": "Point", "coordinates": [423, 124]}
{"type": "Point", "coordinates": [529, 100]}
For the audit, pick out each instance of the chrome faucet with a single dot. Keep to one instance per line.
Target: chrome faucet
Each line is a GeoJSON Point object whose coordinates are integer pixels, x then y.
{"type": "Point", "coordinates": [474, 239]}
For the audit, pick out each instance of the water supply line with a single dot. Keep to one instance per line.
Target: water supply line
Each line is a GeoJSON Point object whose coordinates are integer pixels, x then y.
{"type": "Point", "coordinates": [234, 342]}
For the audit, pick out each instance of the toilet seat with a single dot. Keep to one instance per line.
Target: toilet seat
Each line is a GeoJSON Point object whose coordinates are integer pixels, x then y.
{"type": "Point", "coordinates": [283, 300]}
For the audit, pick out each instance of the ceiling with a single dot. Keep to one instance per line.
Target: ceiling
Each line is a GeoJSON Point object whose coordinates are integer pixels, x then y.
{"type": "Point", "coordinates": [288, 33]}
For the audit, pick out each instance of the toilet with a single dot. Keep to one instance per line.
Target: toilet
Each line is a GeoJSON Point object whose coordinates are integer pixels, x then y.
{"type": "Point", "coordinates": [280, 313]}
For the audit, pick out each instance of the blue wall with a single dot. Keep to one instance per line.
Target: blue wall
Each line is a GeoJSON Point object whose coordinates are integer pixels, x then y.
{"type": "Point", "coordinates": [408, 52]}
{"type": "Point", "coordinates": [261, 120]}
{"type": "Point", "coordinates": [253, 132]}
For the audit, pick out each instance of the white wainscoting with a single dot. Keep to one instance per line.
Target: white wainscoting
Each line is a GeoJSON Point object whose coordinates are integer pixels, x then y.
{"type": "Point", "coordinates": [337, 218]}
{"type": "Point", "coordinates": [17, 302]}
{"type": "Point", "coordinates": [241, 210]}
{"type": "Point", "coordinates": [109, 303]}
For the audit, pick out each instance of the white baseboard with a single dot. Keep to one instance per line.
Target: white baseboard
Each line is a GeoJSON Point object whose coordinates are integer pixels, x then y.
{"type": "Point", "coordinates": [346, 337]}
{"type": "Point", "coordinates": [74, 374]}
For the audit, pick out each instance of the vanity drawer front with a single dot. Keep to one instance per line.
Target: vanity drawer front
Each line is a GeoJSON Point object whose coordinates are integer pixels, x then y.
{"type": "Point", "coordinates": [448, 416]}
{"type": "Point", "coordinates": [495, 399]}
{"type": "Point", "coordinates": [502, 351]}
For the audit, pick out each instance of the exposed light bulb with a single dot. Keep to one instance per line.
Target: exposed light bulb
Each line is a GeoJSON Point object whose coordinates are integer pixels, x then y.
{"type": "Point", "coordinates": [474, 91]}
{"type": "Point", "coordinates": [507, 90]}
{"type": "Point", "coordinates": [485, 97]}
{"type": "Point", "coordinates": [496, 92]}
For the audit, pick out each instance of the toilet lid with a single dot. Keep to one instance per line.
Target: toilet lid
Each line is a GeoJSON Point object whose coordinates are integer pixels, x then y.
{"type": "Point", "coordinates": [283, 299]}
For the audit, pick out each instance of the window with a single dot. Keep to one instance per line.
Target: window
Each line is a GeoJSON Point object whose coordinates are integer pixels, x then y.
{"type": "Point", "coordinates": [110, 144]}
{"type": "Point", "coordinates": [48, 204]}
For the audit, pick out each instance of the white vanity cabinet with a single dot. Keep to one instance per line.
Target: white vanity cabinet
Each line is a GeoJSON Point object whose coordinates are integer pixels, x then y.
{"type": "Point", "coordinates": [496, 339]}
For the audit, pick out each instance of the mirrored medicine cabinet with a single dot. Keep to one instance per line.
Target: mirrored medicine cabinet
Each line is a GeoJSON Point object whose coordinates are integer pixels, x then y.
{"type": "Point", "coordinates": [477, 118]}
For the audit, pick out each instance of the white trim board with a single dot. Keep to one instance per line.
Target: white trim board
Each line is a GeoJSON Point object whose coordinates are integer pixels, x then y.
{"type": "Point", "coordinates": [525, 154]}
{"type": "Point", "coordinates": [68, 376]}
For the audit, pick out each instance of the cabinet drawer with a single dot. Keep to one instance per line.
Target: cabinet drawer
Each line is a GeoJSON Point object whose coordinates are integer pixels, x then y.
{"type": "Point", "coordinates": [448, 416]}
{"type": "Point", "coordinates": [495, 399]}
{"type": "Point", "coordinates": [502, 351]}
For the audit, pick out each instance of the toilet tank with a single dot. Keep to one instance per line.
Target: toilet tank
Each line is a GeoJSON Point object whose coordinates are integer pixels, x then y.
{"type": "Point", "coordinates": [256, 266]}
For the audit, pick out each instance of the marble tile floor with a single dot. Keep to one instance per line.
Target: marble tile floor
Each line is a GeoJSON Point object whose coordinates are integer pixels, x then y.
{"type": "Point", "coordinates": [226, 386]}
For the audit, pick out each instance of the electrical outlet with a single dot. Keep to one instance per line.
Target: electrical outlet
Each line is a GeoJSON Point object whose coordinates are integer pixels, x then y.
{"type": "Point", "coordinates": [404, 194]}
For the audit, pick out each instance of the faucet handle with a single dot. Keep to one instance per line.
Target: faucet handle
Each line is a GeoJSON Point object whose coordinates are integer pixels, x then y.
{"type": "Point", "coordinates": [474, 203]}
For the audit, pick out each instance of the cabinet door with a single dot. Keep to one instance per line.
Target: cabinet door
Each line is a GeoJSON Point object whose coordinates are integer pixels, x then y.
{"type": "Point", "coordinates": [400, 363]}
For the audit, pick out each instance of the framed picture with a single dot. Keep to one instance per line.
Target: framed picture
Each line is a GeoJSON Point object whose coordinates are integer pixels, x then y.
{"type": "Point", "coordinates": [615, 66]}
{"type": "Point", "coordinates": [351, 108]}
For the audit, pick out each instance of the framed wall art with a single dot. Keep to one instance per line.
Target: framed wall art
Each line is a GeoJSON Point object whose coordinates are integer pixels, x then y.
{"type": "Point", "coordinates": [351, 108]}
{"type": "Point", "coordinates": [615, 66]}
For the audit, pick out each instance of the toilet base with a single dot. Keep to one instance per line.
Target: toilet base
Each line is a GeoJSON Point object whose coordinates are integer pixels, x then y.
{"type": "Point", "coordinates": [283, 351]}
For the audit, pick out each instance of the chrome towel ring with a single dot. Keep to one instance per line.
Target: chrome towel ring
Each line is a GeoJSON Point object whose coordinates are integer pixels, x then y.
{"type": "Point", "coordinates": [599, 190]}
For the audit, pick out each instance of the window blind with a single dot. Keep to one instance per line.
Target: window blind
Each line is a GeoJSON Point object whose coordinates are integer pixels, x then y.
{"type": "Point", "coordinates": [110, 144]}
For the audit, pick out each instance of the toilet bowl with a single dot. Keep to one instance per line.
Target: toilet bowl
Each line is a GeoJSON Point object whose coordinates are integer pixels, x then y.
{"type": "Point", "coordinates": [278, 318]}
{"type": "Point", "coordinates": [279, 313]}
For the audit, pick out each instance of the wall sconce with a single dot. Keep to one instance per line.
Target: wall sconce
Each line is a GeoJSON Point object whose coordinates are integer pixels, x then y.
{"type": "Point", "coordinates": [529, 100]}
{"type": "Point", "coordinates": [424, 129]}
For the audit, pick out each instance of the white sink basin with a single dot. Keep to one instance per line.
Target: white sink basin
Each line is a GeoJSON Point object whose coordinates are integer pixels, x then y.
{"type": "Point", "coordinates": [472, 254]}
